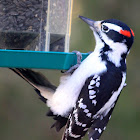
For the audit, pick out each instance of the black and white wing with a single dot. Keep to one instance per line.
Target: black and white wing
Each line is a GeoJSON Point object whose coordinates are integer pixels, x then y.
{"type": "Point", "coordinates": [87, 113]}
{"type": "Point", "coordinates": [98, 126]}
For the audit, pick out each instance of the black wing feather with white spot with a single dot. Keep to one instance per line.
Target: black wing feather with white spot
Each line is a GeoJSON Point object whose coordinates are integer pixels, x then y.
{"type": "Point", "coordinates": [98, 126]}
{"type": "Point", "coordinates": [94, 95]}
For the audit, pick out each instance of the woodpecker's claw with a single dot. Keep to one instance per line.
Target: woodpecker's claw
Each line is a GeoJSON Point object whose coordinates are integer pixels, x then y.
{"type": "Point", "coordinates": [79, 56]}
{"type": "Point", "coordinates": [73, 68]}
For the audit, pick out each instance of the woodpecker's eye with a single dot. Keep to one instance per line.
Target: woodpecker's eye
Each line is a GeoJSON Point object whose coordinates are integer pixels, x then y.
{"type": "Point", "coordinates": [105, 28]}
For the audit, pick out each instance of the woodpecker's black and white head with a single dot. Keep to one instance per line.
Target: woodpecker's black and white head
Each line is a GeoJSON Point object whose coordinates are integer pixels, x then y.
{"type": "Point", "coordinates": [113, 38]}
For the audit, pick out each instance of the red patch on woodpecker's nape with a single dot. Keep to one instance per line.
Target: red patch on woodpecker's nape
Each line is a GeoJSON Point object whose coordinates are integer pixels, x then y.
{"type": "Point", "coordinates": [132, 32]}
{"type": "Point", "coordinates": [125, 33]}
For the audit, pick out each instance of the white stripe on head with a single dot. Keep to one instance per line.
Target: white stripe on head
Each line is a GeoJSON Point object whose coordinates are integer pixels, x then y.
{"type": "Point", "coordinates": [113, 27]}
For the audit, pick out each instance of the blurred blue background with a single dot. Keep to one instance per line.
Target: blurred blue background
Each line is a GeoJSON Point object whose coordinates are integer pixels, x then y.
{"type": "Point", "coordinates": [22, 114]}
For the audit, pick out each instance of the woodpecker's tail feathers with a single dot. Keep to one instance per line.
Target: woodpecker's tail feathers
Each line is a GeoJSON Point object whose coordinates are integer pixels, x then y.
{"type": "Point", "coordinates": [41, 84]}
{"type": "Point", "coordinates": [44, 89]}
{"type": "Point", "coordinates": [98, 126]}
{"type": "Point", "coordinates": [59, 121]}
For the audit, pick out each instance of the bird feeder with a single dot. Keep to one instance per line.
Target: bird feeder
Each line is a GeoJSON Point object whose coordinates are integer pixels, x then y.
{"type": "Point", "coordinates": [34, 32]}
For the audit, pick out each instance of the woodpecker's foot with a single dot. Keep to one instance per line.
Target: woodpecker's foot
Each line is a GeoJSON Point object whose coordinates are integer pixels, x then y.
{"type": "Point", "coordinates": [79, 56]}
{"type": "Point", "coordinates": [73, 68]}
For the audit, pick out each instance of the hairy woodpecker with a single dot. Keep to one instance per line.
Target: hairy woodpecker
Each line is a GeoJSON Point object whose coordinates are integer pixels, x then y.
{"type": "Point", "coordinates": [85, 98]}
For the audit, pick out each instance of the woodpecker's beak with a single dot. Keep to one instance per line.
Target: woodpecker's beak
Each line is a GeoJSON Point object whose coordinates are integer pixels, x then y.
{"type": "Point", "coordinates": [90, 22]}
